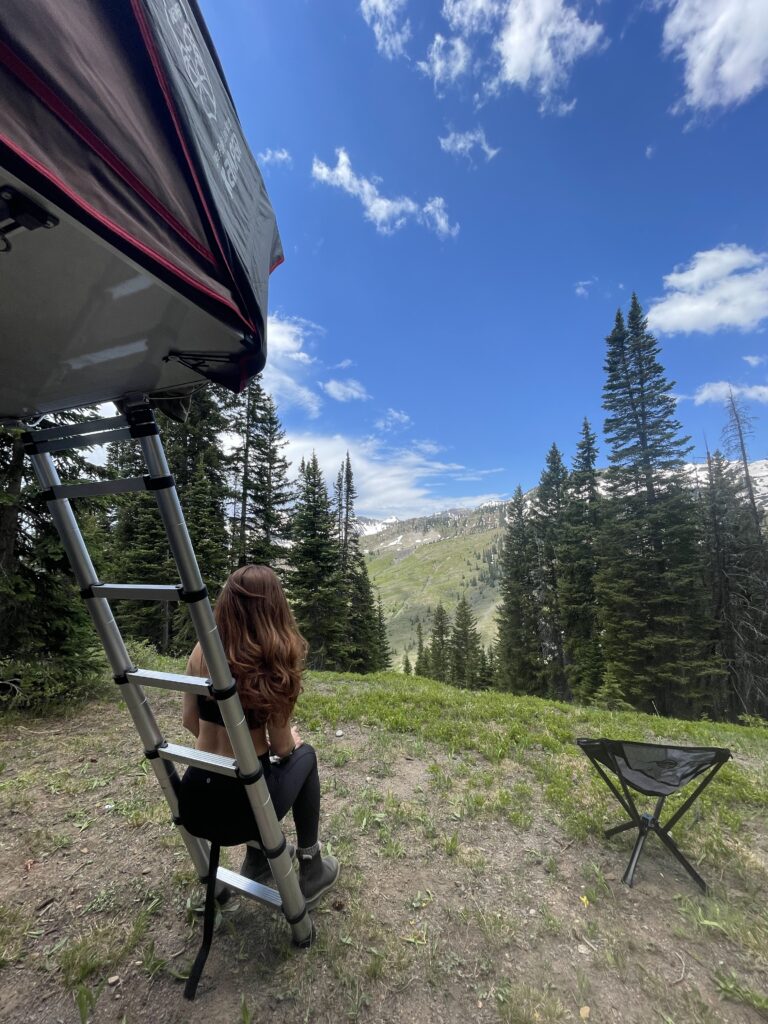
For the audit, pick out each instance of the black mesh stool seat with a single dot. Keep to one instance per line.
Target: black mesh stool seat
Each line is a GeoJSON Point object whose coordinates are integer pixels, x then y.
{"type": "Point", "coordinates": [653, 769]}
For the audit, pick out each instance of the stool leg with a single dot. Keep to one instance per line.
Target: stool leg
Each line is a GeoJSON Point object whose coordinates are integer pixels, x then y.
{"type": "Point", "coordinates": [629, 874]}
{"type": "Point", "coordinates": [672, 846]}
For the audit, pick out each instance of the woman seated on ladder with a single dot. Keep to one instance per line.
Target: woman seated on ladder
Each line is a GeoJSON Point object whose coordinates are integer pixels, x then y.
{"type": "Point", "coordinates": [266, 653]}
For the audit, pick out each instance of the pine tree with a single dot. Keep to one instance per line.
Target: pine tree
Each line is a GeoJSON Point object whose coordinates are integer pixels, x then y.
{"type": "Point", "coordinates": [738, 580]}
{"type": "Point", "coordinates": [439, 651]}
{"type": "Point", "coordinates": [517, 653]}
{"type": "Point", "coordinates": [578, 569]}
{"type": "Point", "coordinates": [47, 642]}
{"type": "Point", "coordinates": [464, 647]}
{"type": "Point", "coordinates": [407, 670]}
{"type": "Point", "coordinates": [361, 626]}
{"type": "Point", "coordinates": [548, 525]}
{"type": "Point", "coordinates": [650, 582]}
{"type": "Point", "coordinates": [383, 651]}
{"type": "Point", "coordinates": [314, 580]}
{"type": "Point", "coordinates": [421, 665]}
{"type": "Point", "coordinates": [262, 490]}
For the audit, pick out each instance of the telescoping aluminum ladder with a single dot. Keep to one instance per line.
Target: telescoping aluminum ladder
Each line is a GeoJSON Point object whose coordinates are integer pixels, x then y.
{"type": "Point", "coordinates": [138, 423]}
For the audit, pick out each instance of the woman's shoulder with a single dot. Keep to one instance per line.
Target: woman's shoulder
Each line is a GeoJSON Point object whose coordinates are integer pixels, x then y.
{"type": "Point", "coordinates": [196, 662]}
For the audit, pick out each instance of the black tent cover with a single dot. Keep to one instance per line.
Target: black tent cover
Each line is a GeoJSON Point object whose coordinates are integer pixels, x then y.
{"type": "Point", "coordinates": [118, 112]}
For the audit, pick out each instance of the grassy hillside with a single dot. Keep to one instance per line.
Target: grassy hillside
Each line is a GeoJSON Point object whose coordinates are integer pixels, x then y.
{"type": "Point", "coordinates": [476, 882]}
{"type": "Point", "coordinates": [412, 578]}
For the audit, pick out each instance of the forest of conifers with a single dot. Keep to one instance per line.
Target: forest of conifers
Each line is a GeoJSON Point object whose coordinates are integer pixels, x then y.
{"type": "Point", "coordinates": [633, 585]}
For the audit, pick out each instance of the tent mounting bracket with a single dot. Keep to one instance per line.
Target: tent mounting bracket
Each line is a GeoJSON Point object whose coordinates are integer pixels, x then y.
{"type": "Point", "coordinates": [19, 213]}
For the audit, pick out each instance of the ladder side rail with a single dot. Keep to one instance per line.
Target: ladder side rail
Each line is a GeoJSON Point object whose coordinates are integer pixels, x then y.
{"type": "Point", "coordinates": [114, 646]}
{"type": "Point", "coordinates": [201, 613]}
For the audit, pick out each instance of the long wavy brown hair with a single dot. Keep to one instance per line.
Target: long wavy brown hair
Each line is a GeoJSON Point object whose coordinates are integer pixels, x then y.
{"type": "Point", "coordinates": [264, 647]}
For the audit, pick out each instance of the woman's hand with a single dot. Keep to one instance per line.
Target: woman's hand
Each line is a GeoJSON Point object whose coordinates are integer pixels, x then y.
{"type": "Point", "coordinates": [297, 740]}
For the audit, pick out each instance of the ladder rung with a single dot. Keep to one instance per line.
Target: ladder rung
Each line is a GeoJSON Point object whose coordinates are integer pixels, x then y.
{"type": "Point", "coordinates": [199, 759]}
{"type": "Point", "coordinates": [87, 441]}
{"type": "Point", "coordinates": [94, 488]}
{"type": "Point", "coordinates": [244, 885]}
{"type": "Point", "coordinates": [87, 426]}
{"type": "Point", "coordinates": [171, 681]}
{"type": "Point", "coordinates": [135, 592]}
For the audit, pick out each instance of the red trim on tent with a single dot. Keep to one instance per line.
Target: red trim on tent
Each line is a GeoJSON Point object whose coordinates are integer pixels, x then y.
{"type": "Point", "coordinates": [149, 42]}
{"type": "Point", "coordinates": [278, 262]}
{"type": "Point", "coordinates": [122, 233]}
{"type": "Point", "coordinates": [54, 102]}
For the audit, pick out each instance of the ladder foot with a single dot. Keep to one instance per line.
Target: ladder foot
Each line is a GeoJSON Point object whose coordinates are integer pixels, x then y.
{"type": "Point", "coordinates": [306, 943]}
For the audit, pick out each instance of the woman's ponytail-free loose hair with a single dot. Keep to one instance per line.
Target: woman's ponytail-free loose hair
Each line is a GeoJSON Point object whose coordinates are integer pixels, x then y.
{"type": "Point", "coordinates": [264, 647]}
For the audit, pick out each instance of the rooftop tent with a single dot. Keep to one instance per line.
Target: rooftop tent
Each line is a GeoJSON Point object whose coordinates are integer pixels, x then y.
{"type": "Point", "coordinates": [136, 234]}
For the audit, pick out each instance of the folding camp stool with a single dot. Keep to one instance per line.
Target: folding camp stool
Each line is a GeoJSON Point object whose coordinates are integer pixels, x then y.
{"type": "Point", "coordinates": [658, 770]}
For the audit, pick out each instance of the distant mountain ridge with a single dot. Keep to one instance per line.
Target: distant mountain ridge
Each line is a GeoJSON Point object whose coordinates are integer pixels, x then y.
{"type": "Point", "coordinates": [416, 563]}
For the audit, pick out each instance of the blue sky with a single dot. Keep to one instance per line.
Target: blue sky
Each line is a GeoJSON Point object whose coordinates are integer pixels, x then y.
{"type": "Point", "coordinates": [468, 189]}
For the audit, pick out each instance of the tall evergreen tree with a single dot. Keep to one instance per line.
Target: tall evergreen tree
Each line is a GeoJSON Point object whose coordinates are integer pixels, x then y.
{"type": "Point", "coordinates": [262, 490]}
{"type": "Point", "coordinates": [421, 665]}
{"type": "Point", "coordinates": [465, 648]}
{"type": "Point", "coordinates": [517, 652]}
{"type": "Point", "coordinates": [314, 579]}
{"type": "Point", "coordinates": [578, 569]}
{"type": "Point", "coordinates": [549, 525]}
{"type": "Point", "coordinates": [383, 650]}
{"type": "Point", "coordinates": [650, 581]}
{"type": "Point", "coordinates": [361, 626]}
{"type": "Point", "coordinates": [439, 650]}
{"type": "Point", "coordinates": [738, 580]}
{"type": "Point", "coordinates": [407, 669]}
{"type": "Point", "coordinates": [46, 641]}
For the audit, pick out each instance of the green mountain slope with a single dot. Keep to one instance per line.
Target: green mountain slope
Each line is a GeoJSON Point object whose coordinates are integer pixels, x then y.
{"type": "Point", "coordinates": [417, 563]}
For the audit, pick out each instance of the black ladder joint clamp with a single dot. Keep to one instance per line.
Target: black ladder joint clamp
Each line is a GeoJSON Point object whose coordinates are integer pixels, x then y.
{"type": "Point", "coordinates": [276, 851]}
{"type": "Point", "coordinates": [121, 678]}
{"type": "Point", "coordinates": [87, 592]}
{"type": "Point", "coordinates": [247, 779]}
{"type": "Point", "coordinates": [141, 419]}
{"type": "Point", "coordinates": [155, 751]}
{"type": "Point", "coordinates": [296, 918]}
{"type": "Point", "coordinates": [191, 596]}
{"type": "Point", "coordinates": [230, 691]}
{"type": "Point", "coordinates": [159, 483]}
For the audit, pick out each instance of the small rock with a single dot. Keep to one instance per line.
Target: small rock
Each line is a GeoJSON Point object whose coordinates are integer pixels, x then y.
{"type": "Point", "coordinates": [583, 949]}
{"type": "Point", "coordinates": [83, 849]}
{"type": "Point", "coordinates": [147, 871]}
{"type": "Point", "coordinates": [339, 733]}
{"type": "Point", "coordinates": [113, 980]}
{"type": "Point", "coordinates": [584, 1013]}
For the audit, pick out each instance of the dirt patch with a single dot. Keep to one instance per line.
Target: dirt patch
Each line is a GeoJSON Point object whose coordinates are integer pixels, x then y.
{"type": "Point", "coordinates": [461, 898]}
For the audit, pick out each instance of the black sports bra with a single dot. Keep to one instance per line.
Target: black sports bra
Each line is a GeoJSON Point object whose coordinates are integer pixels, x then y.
{"type": "Point", "coordinates": [208, 709]}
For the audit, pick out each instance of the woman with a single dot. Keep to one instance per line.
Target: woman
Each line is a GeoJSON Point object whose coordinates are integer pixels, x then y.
{"type": "Point", "coordinates": [266, 653]}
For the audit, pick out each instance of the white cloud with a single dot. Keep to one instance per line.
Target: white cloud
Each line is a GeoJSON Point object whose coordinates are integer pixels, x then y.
{"type": "Point", "coordinates": [538, 43]}
{"type": "Point", "coordinates": [724, 47]}
{"type": "Point", "coordinates": [435, 216]}
{"type": "Point", "coordinates": [447, 60]}
{"type": "Point", "coordinates": [649, 152]}
{"type": "Point", "coordinates": [343, 365]}
{"type": "Point", "coordinates": [388, 215]}
{"type": "Point", "coordinates": [581, 288]}
{"type": "Point", "coordinates": [724, 287]}
{"type": "Point", "coordinates": [275, 156]}
{"type": "Point", "coordinates": [393, 419]}
{"type": "Point", "coordinates": [345, 390]}
{"type": "Point", "coordinates": [462, 143]}
{"type": "Point", "coordinates": [719, 390]}
{"type": "Point", "coordinates": [390, 481]}
{"type": "Point", "coordinates": [384, 17]}
{"type": "Point", "coordinates": [755, 361]}
{"type": "Point", "coordinates": [472, 15]}
{"type": "Point", "coordinates": [286, 338]}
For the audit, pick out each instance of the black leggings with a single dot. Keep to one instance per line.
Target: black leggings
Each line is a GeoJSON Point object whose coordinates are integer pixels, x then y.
{"type": "Point", "coordinates": [216, 807]}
